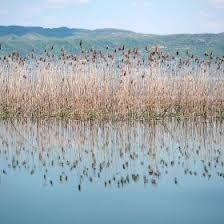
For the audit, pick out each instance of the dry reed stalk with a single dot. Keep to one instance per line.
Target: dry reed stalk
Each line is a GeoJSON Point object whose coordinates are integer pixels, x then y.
{"type": "Point", "coordinates": [109, 89]}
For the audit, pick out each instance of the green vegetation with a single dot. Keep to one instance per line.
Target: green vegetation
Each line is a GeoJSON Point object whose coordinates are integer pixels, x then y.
{"type": "Point", "coordinates": [24, 39]}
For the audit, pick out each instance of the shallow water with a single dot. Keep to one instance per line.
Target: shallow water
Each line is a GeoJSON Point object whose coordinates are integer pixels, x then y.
{"type": "Point", "coordinates": [104, 172]}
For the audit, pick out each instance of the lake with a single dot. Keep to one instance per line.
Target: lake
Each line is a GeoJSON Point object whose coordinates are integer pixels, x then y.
{"type": "Point", "coordinates": [165, 171]}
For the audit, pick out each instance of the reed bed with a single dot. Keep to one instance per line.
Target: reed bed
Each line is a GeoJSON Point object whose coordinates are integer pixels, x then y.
{"type": "Point", "coordinates": [115, 84]}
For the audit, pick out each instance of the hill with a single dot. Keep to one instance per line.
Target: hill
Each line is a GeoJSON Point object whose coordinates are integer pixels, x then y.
{"type": "Point", "coordinates": [23, 39]}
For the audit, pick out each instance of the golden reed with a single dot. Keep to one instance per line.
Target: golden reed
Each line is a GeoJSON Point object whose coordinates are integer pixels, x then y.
{"type": "Point", "coordinates": [114, 84]}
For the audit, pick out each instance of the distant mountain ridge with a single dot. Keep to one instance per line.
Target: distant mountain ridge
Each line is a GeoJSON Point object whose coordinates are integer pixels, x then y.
{"type": "Point", "coordinates": [23, 39]}
{"type": "Point", "coordinates": [48, 32]}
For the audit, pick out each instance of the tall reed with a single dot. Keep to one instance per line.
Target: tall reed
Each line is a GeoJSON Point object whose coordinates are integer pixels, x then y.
{"type": "Point", "coordinates": [121, 84]}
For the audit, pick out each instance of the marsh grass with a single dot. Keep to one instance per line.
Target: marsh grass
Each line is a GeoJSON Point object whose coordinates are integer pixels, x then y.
{"type": "Point", "coordinates": [124, 85]}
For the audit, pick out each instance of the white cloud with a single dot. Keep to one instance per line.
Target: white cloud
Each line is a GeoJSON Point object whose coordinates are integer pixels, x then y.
{"type": "Point", "coordinates": [3, 12]}
{"type": "Point", "coordinates": [134, 4]}
{"type": "Point", "coordinates": [147, 3]}
{"type": "Point", "coordinates": [209, 22]}
{"type": "Point", "coordinates": [64, 3]}
{"type": "Point", "coordinates": [32, 9]}
{"type": "Point", "coordinates": [141, 3]}
{"type": "Point", "coordinates": [217, 3]}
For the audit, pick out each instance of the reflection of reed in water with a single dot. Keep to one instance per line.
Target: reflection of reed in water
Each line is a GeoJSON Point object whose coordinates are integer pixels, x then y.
{"type": "Point", "coordinates": [113, 154]}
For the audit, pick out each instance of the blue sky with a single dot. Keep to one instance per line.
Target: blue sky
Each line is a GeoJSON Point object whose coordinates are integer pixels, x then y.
{"type": "Point", "coordinates": [146, 16]}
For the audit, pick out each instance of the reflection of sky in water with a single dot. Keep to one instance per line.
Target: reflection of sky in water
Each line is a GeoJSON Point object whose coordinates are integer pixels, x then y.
{"type": "Point", "coordinates": [83, 172]}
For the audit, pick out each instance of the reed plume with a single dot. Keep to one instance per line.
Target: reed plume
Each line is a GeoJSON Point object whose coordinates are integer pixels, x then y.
{"type": "Point", "coordinates": [111, 85]}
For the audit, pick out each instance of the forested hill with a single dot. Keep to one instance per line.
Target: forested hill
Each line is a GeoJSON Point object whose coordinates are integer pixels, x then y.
{"type": "Point", "coordinates": [23, 39]}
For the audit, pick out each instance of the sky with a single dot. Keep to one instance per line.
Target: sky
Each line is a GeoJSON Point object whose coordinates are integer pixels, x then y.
{"type": "Point", "coordinates": [145, 16]}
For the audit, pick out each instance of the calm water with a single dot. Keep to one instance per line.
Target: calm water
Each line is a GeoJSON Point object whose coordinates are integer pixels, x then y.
{"type": "Point", "coordinates": [94, 172]}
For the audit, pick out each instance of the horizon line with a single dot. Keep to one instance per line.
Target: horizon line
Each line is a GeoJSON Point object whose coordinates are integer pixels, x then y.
{"type": "Point", "coordinates": [108, 28]}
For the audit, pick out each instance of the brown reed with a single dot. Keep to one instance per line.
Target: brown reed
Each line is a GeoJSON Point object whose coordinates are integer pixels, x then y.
{"type": "Point", "coordinates": [123, 84]}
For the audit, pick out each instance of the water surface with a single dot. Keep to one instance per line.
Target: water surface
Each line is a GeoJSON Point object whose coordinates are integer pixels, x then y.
{"type": "Point", "coordinates": [112, 172]}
